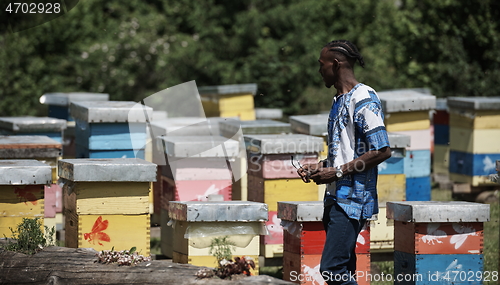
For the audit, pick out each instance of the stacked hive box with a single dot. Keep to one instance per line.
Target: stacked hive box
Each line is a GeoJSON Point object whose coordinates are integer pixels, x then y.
{"type": "Point", "coordinates": [441, 153]}
{"type": "Point", "coordinates": [106, 203]}
{"type": "Point", "coordinates": [48, 151]}
{"type": "Point", "coordinates": [438, 241]}
{"type": "Point", "coordinates": [304, 239]}
{"type": "Point", "coordinates": [474, 133]}
{"type": "Point", "coordinates": [35, 126]}
{"type": "Point", "coordinates": [391, 186]}
{"type": "Point", "coordinates": [198, 166]}
{"type": "Point", "coordinates": [179, 126]}
{"type": "Point", "coordinates": [110, 129]}
{"type": "Point", "coordinates": [229, 101]}
{"type": "Point", "coordinates": [273, 178]}
{"type": "Point", "coordinates": [197, 224]}
{"type": "Point", "coordinates": [235, 128]}
{"type": "Point", "coordinates": [59, 108]}
{"type": "Point", "coordinates": [407, 112]}
{"type": "Point", "coordinates": [21, 192]}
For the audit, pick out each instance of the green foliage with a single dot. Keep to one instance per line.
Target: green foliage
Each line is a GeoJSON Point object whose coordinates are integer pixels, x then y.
{"type": "Point", "coordinates": [221, 248]}
{"type": "Point", "coordinates": [29, 236]}
{"type": "Point", "coordinates": [132, 49]}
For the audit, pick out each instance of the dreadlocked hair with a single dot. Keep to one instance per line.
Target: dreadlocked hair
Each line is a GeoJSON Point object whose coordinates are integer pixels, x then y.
{"type": "Point", "coordinates": [346, 48]}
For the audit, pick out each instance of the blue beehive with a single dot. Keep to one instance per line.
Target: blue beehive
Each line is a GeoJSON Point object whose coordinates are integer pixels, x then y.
{"type": "Point", "coordinates": [59, 102]}
{"type": "Point", "coordinates": [29, 126]}
{"type": "Point", "coordinates": [110, 129]}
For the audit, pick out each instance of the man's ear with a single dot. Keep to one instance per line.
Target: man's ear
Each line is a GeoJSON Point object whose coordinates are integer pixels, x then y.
{"type": "Point", "coordinates": [335, 64]}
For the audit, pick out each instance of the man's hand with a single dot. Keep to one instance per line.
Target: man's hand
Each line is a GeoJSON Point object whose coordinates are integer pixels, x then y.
{"type": "Point", "coordinates": [324, 175]}
{"type": "Point", "coordinates": [307, 170]}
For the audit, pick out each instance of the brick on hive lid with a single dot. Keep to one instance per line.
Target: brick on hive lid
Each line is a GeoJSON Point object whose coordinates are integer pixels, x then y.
{"type": "Point", "coordinates": [218, 211]}
{"type": "Point", "coordinates": [24, 172]}
{"type": "Point", "coordinates": [111, 112]}
{"type": "Point", "coordinates": [286, 143]}
{"type": "Point", "coordinates": [438, 212]}
{"type": "Point", "coordinates": [314, 125]}
{"type": "Point", "coordinates": [406, 100]}
{"type": "Point", "coordinates": [28, 124]}
{"type": "Point", "coordinates": [108, 170]}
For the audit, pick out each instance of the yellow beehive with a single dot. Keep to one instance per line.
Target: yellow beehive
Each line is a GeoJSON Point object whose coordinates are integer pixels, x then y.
{"type": "Point", "coordinates": [272, 191]}
{"type": "Point", "coordinates": [229, 101]}
{"type": "Point", "coordinates": [197, 224]}
{"type": "Point", "coordinates": [106, 202]}
{"type": "Point", "coordinates": [479, 119]}
{"type": "Point", "coordinates": [474, 140]}
{"type": "Point", "coordinates": [406, 121]}
{"type": "Point", "coordinates": [21, 192]}
{"type": "Point", "coordinates": [382, 233]}
{"type": "Point", "coordinates": [391, 187]}
{"type": "Point", "coordinates": [441, 159]}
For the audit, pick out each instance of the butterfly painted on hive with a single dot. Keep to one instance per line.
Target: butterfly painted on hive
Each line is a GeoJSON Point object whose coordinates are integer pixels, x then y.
{"type": "Point", "coordinates": [97, 233]}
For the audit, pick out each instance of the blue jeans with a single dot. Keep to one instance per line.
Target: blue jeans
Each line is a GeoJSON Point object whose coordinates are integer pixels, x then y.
{"type": "Point", "coordinates": [338, 261]}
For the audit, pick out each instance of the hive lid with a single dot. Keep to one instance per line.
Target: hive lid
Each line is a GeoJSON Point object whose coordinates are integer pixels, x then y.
{"type": "Point", "coordinates": [286, 143]}
{"type": "Point", "coordinates": [30, 124]}
{"type": "Point", "coordinates": [228, 89]}
{"type": "Point", "coordinates": [218, 211]}
{"type": "Point", "coordinates": [441, 104]}
{"type": "Point", "coordinates": [187, 126]}
{"type": "Point", "coordinates": [65, 99]}
{"type": "Point", "coordinates": [24, 172]}
{"type": "Point", "coordinates": [111, 111]}
{"type": "Point", "coordinates": [406, 101]}
{"type": "Point", "coordinates": [199, 146]}
{"type": "Point", "coordinates": [438, 212]}
{"type": "Point", "coordinates": [268, 113]}
{"type": "Point", "coordinates": [399, 140]}
{"type": "Point", "coordinates": [474, 103]}
{"type": "Point", "coordinates": [229, 128]}
{"type": "Point", "coordinates": [108, 170]}
{"type": "Point", "coordinates": [315, 125]}
{"type": "Point", "coordinates": [303, 211]}
{"type": "Point", "coordinates": [23, 147]}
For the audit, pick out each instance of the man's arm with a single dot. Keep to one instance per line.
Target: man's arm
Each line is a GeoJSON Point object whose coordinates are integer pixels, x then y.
{"type": "Point", "coordinates": [370, 159]}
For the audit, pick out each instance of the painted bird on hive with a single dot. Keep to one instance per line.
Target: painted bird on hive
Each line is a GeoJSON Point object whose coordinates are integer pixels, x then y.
{"type": "Point", "coordinates": [97, 233]}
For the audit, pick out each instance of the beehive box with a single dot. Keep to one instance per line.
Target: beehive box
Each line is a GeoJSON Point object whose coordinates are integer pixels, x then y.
{"type": "Point", "coordinates": [106, 202]}
{"type": "Point", "coordinates": [304, 240]}
{"type": "Point", "coordinates": [441, 150]}
{"type": "Point", "coordinates": [196, 224]}
{"type": "Point", "coordinates": [110, 129]}
{"type": "Point", "coordinates": [474, 129]}
{"type": "Point", "coordinates": [41, 148]}
{"type": "Point", "coordinates": [59, 102]}
{"type": "Point", "coordinates": [196, 167]}
{"type": "Point", "coordinates": [21, 192]}
{"type": "Point", "coordinates": [438, 236]}
{"type": "Point", "coordinates": [29, 125]}
{"type": "Point", "coordinates": [281, 187]}
{"type": "Point", "coordinates": [407, 112]}
{"type": "Point", "coordinates": [229, 101]}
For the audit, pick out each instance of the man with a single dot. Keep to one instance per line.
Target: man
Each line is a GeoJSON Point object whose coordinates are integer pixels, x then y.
{"type": "Point", "coordinates": [357, 143]}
